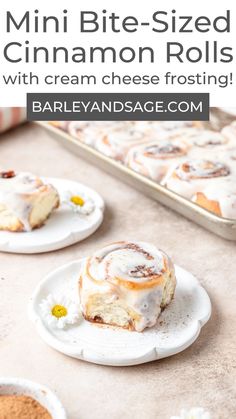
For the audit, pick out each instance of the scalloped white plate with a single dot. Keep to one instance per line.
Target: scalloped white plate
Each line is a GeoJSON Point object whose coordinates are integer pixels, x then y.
{"type": "Point", "coordinates": [178, 326]}
{"type": "Point", "coordinates": [63, 228]}
{"type": "Point", "coordinates": [20, 386]}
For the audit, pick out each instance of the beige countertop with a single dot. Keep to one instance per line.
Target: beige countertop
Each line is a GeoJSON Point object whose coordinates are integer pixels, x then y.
{"type": "Point", "coordinates": [204, 374]}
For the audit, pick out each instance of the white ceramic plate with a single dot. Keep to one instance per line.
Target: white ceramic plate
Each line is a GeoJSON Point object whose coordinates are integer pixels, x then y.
{"type": "Point", "coordinates": [62, 229]}
{"type": "Point", "coordinates": [20, 386]}
{"type": "Point", "coordinates": [178, 326]}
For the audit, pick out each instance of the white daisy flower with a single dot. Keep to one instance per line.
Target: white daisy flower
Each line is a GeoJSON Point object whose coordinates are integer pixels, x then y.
{"type": "Point", "coordinates": [194, 413]}
{"type": "Point", "coordinates": [79, 203]}
{"type": "Point", "coordinates": [59, 311]}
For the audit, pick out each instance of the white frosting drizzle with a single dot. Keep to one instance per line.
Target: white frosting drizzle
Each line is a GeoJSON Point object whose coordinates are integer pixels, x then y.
{"type": "Point", "coordinates": [123, 260]}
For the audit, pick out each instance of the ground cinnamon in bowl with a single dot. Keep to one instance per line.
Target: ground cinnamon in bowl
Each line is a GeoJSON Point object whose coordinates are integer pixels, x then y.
{"type": "Point", "coordinates": [21, 407]}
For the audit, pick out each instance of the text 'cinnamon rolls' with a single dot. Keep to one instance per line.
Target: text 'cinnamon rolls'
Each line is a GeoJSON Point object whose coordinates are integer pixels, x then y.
{"type": "Point", "coordinates": [126, 284]}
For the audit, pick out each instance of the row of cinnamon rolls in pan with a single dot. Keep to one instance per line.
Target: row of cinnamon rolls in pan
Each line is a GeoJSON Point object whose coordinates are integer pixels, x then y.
{"type": "Point", "coordinates": [197, 163]}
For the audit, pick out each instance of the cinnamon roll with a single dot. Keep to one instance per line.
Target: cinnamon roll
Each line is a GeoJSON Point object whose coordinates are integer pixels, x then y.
{"type": "Point", "coordinates": [117, 141]}
{"type": "Point", "coordinates": [219, 197]}
{"type": "Point", "coordinates": [191, 176]}
{"type": "Point", "coordinates": [155, 158]}
{"type": "Point", "coordinates": [126, 284]}
{"type": "Point", "coordinates": [88, 132]}
{"type": "Point", "coordinates": [25, 201]}
{"type": "Point", "coordinates": [82, 131]}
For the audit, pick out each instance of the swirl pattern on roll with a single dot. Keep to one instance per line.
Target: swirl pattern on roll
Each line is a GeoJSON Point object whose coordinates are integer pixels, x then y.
{"type": "Point", "coordinates": [116, 142]}
{"type": "Point", "coordinates": [201, 169]}
{"type": "Point", "coordinates": [132, 264]}
{"type": "Point", "coordinates": [155, 158]}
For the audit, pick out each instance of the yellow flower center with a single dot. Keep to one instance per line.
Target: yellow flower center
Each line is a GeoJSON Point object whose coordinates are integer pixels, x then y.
{"type": "Point", "coordinates": [59, 311]}
{"type": "Point", "coordinates": [77, 200]}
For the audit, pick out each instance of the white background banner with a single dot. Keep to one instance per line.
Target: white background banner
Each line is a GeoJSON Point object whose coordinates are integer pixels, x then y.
{"type": "Point", "coordinates": [153, 46]}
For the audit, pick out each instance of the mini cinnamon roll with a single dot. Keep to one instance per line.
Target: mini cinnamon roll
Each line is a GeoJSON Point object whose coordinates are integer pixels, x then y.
{"type": "Point", "coordinates": [155, 158]}
{"type": "Point", "coordinates": [88, 132]}
{"type": "Point", "coordinates": [25, 201]}
{"type": "Point", "coordinates": [117, 141]}
{"type": "Point", "coordinates": [126, 284]}
{"type": "Point", "coordinates": [82, 131]}
{"type": "Point", "coordinates": [191, 176]}
{"type": "Point", "coordinates": [219, 197]}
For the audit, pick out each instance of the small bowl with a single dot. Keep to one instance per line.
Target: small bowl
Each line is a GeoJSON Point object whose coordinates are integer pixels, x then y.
{"type": "Point", "coordinates": [20, 386]}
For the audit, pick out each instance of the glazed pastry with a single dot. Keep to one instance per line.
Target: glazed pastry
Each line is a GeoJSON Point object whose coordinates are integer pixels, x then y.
{"type": "Point", "coordinates": [25, 201]}
{"type": "Point", "coordinates": [155, 158]}
{"type": "Point", "coordinates": [191, 176]}
{"type": "Point", "coordinates": [219, 197]}
{"type": "Point", "coordinates": [88, 132]}
{"type": "Point", "coordinates": [116, 142]}
{"type": "Point", "coordinates": [126, 284]}
{"type": "Point", "coordinates": [229, 131]}
{"type": "Point", "coordinates": [82, 131]}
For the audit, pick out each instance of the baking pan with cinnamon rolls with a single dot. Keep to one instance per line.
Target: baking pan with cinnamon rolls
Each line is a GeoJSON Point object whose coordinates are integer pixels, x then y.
{"type": "Point", "coordinates": [189, 166]}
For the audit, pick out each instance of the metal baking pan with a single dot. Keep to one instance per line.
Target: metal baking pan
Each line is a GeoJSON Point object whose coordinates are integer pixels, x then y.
{"type": "Point", "coordinates": [223, 227]}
